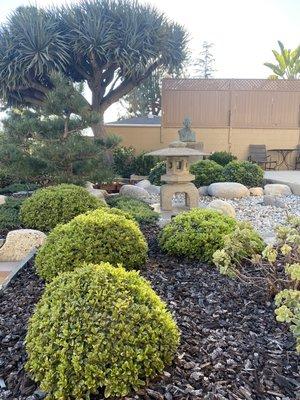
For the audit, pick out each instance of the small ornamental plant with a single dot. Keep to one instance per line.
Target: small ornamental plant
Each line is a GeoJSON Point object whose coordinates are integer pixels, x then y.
{"type": "Point", "coordinates": [196, 234]}
{"type": "Point", "coordinates": [55, 205]}
{"type": "Point", "coordinates": [99, 329]}
{"type": "Point", "coordinates": [206, 172]}
{"type": "Point", "coordinates": [138, 209]}
{"type": "Point", "coordinates": [101, 235]}
{"type": "Point", "coordinates": [240, 245]}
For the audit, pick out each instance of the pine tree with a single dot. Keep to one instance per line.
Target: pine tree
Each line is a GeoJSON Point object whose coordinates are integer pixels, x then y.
{"type": "Point", "coordinates": [204, 65]}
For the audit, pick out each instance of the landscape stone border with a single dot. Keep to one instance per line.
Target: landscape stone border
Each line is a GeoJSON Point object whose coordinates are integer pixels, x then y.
{"type": "Point", "coordinates": [19, 266]}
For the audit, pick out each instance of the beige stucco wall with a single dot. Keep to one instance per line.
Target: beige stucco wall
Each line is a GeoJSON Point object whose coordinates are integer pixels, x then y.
{"type": "Point", "coordinates": [215, 139]}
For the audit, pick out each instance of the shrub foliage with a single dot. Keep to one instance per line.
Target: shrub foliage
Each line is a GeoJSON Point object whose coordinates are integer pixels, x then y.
{"type": "Point", "coordinates": [245, 172]}
{"type": "Point", "coordinates": [196, 234]}
{"type": "Point", "coordinates": [206, 172]}
{"type": "Point", "coordinates": [55, 205]}
{"type": "Point", "coordinates": [222, 157]}
{"type": "Point", "coordinates": [9, 215]}
{"type": "Point", "coordinates": [156, 172]}
{"type": "Point", "coordinates": [139, 210]}
{"type": "Point", "coordinates": [93, 237]}
{"type": "Point", "coordinates": [99, 327]}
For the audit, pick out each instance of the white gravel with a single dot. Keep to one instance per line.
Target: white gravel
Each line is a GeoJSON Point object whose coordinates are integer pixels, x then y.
{"type": "Point", "coordinates": [263, 218]}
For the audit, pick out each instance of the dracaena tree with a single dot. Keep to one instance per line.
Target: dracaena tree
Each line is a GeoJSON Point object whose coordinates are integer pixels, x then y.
{"type": "Point", "coordinates": [111, 45]}
{"type": "Point", "coordinates": [288, 63]}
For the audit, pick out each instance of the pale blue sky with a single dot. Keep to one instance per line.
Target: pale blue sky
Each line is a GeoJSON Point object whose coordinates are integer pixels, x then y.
{"type": "Point", "coordinates": [244, 32]}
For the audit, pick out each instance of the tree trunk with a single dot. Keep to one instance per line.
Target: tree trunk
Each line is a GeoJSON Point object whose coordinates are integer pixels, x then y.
{"type": "Point", "coordinates": [98, 128]}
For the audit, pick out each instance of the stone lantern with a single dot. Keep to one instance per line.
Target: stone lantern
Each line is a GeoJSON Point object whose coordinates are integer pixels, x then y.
{"type": "Point", "coordinates": [178, 178]}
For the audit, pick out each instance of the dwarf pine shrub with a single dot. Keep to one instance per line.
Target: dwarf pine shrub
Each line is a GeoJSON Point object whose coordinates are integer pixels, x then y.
{"type": "Point", "coordinates": [99, 327]}
{"type": "Point", "coordinates": [96, 236]}
{"type": "Point", "coordinates": [55, 205]}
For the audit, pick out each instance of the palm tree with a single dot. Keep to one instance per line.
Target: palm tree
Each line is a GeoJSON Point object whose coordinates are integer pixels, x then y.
{"type": "Point", "coordinates": [288, 63]}
{"type": "Point", "coordinates": [111, 45]}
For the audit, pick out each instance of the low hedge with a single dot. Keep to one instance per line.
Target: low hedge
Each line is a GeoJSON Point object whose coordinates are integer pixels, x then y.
{"type": "Point", "coordinates": [139, 210]}
{"type": "Point", "coordinates": [92, 237]}
{"type": "Point", "coordinates": [244, 172]}
{"type": "Point", "coordinates": [9, 215]}
{"type": "Point", "coordinates": [206, 172]}
{"type": "Point", "coordinates": [55, 205]}
{"type": "Point", "coordinates": [99, 328]}
{"type": "Point", "coordinates": [196, 234]}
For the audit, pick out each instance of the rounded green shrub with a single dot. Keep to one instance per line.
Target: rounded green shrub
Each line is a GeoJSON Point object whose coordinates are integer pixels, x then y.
{"type": "Point", "coordinates": [156, 172]}
{"type": "Point", "coordinates": [138, 209]}
{"type": "Point", "coordinates": [99, 328]}
{"type": "Point", "coordinates": [222, 157]}
{"type": "Point", "coordinates": [196, 234]}
{"type": "Point", "coordinates": [92, 237]}
{"type": "Point", "coordinates": [206, 172]}
{"type": "Point", "coordinates": [245, 172]}
{"type": "Point", "coordinates": [55, 205]}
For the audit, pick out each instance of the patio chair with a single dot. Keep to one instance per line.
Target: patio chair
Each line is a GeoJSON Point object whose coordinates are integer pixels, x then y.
{"type": "Point", "coordinates": [297, 160]}
{"type": "Point", "coordinates": [258, 154]}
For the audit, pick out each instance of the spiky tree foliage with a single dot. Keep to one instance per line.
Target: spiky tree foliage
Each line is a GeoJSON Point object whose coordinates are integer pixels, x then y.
{"type": "Point", "coordinates": [112, 45]}
{"type": "Point", "coordinates": [48, 142]}
{"type": "Point", "coordinates": [288, 63]}
{"type": "Point", "coordinates": [204, 65]}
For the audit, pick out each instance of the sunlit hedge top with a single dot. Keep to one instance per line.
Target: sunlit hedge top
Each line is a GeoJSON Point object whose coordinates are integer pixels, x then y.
{"type": "Point", "coordinates": [55, 205]}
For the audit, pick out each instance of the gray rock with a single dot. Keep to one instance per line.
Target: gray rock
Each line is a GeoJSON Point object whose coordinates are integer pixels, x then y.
{"type": "Point", "coordinates": [228, 190]}
{"type": "Point", "coordinates": [256, 191]}
{"type": "Point", "coordinates": [203, 190]}
{"type": "Point", "coordinates": [277, 189]}
{"type": "Point", "coordinates": [143, 184]}
{"type": "Point", "coordinates": [273, 201]}
{"type": "Point", "coordinates": [223, 207]}
{"type": "Point", "coordinates": [100, 194]}
{"type": "Point", "coordinates": [153, 189]}
{"type": "Point", "coordinates": [135, 192]}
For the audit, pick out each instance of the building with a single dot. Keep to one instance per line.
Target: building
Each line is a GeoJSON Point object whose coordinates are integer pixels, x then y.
{"type": "Point", "coordinates": [226, 114]}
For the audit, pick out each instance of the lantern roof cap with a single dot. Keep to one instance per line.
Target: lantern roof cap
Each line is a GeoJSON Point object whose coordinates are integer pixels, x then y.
{"type": "Point", "coordinates": [176, 149]}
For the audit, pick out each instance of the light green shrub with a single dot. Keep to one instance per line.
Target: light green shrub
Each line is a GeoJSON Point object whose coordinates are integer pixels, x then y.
{"type": "Point", "coordinates": [239, 246]}
{"type": "Point", "coordinates": [93, 237]}
{"type": "Point", "coordinates": [139, 210]}
{"type": "Point", "coordinates": [99, 327]}
{"type": "Point", "coordinates": [206, 172]}
{"type": "Point", "coordinates": [196, 234]}
{"type": "Point", "coordinates": [244, 172]}
{"type": "Point", "coordinates": [55, 205]}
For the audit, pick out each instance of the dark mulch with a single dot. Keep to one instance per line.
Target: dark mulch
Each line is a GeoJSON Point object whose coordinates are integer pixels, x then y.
{"type": "Point", "coordinates": [231, 346]}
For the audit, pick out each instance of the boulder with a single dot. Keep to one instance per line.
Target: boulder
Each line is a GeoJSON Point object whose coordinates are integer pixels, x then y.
{"type": "Point", "coordinates": [223, 207]}
{"type": "Point", "coordinates": [153, 190]}
{"type": "Point", "coordinates": [100, 194]}
{"type": "Point", "coordinates": [135, 192]}
{"type": "Point", "coordinates": [277, 189]}
{"type": "Point", "coordinates": [274, 201]}
{"type": "Point", "coordinates": [144, 184]}
{"type": "Point", "coordinates": [203, 191]}
{"type": "Point", "coordinates": [19, 243]}
{"type": "Point", "coordinates": [2, 199]}
{"type": "Point", "coordinates": [256, 191]}
{"type": "Point", "coordinates": [228, 190]}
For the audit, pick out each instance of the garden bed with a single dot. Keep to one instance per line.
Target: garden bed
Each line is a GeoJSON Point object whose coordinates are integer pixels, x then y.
{"type": "Point", "coordinates": [231, 345]}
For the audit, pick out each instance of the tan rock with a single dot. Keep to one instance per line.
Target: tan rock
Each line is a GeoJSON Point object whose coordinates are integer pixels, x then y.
{"type": "Point", "coordinates": [228, 190]}
{"type": "Point", "coordinates": [256, 191]}
{"type": "Point", "coordinates": [19, 243]}
{"type": "Point", "coordinates": [2, 199]}
{"type": "Point", "coordinates": [135, 192]}
{"type": "Point", "coordinates": [277, 189]}
{"type": "Point", "coordinates": [99, 193]}
{"type": "Point", "coordinates": [223, 207]}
